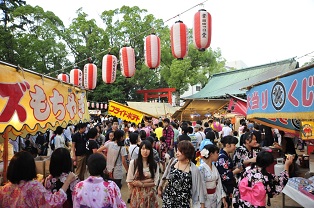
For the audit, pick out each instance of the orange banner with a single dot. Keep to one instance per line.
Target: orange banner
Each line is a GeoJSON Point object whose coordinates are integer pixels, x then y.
{"type": "Point", "coordinates": [30, 102]}
{"type": "Point", "coordinates": [124, 112]}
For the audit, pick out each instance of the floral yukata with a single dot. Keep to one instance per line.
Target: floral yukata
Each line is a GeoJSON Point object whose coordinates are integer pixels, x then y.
{"type": "Point", "coordinates": [211, 179]}
{"type": "Point", "coordinates": [54, 184]}
{"type": "Point", "coordinates": [242, 154]}
{"type": "Point", "coordinates": [30, 194]}
{"type": "Point", "coordinates": [273, 185]}
{"type": "Point", "coordinates": [94, 192]}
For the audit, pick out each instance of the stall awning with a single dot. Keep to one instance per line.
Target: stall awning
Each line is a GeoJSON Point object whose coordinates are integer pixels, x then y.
{"type": "Point", "coordinates": [31, 102]}
{"type": "Point", "coordinates": [289, 96]}
{"type": "Point", "coordinates": [126, 113]}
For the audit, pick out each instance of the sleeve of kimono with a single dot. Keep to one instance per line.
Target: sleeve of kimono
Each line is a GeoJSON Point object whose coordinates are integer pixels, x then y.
{"type": "Point", "coordinates": [223, 168]}
{"type": "Point", "coordinates": [200, 195]}
{"type": "Point", "coordinates": [276, 184]}
{"type": "Point", "coordinates": [116, 198]}
{"type": "Point", "coordinates": [236, 157]}
{"type": "Point", "coordinates": [43, 197]}
{"type": "Point", "coordinates": [202, 173]}
{"type": "Point", "coordinates": [220, 189]}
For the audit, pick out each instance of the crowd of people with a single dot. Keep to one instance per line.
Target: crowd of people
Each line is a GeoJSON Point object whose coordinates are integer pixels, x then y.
{"type": "Point", "coordinates": [209, 164]}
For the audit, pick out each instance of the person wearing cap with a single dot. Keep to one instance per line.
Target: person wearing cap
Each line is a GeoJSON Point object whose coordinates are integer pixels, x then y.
{"type": "Point", "coordinates": [168, 133]}
{"type": "Point", "coordinates": [199, 135]}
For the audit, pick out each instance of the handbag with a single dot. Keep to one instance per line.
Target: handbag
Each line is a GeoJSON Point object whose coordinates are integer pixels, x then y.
{"type": "Point", "coordinates": [110, 173]}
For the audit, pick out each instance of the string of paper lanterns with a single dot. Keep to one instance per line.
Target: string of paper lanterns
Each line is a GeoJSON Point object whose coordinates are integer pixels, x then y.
{"type": "Point", "coordinates": [97, 105]}
{"type": "Point", "coordinates": [152, 52]}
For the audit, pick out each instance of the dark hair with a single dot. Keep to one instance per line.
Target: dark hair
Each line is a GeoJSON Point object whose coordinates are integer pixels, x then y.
{"type": "Point", "coordinates": [160, 124]}
{"type": "Point", "coordinates": [235, 133]}
{"type": "Point", "coordinates": [133, 138]}
{"type": "Point", "coordinates": [81, 125]}
{"type": "Point", "coordinates": [199, 122]}
{"type": "Point", "coordinates": [184, 129]}
{"type": "Point", "coordinates": [166, 120]}
{"type": "Point", "coordinates": [206, 124]}
{"type": "Point", "coordinates": [138, 163]}
{"type": "Point", "coordinates": [264, 159]}
{"type": "Point", "coordinates": [210, 135]}
{"type": "Point", "coordinates": [190, 129]}
{"type": "Point", "coordinates": [162, 139]}
{"type": "Point", "coordinates": [186, 148]}
{"type": "Point", "coordinates": [150, 139]}
{"type": "Point", "coordinates": [92, 133]}
{"type": "Point", "coordinates": [96, 164]}
{"type": "Point", "coordinates": [174, 125]}
{"type": "Point", "coordinates": [59, 130]}
{"type": "Point", "coordinates": [143, 134]}
{"type": "Point", "coordinates": [21, 167]}
{"type": "Point", "coordinates": [60, 162]}
{"type": "Point", "coordinates": [229, 140]}
{"type": "Point", "coordinates": [118, 134]}
{"type": "Point", "coordinates": [211, 149]}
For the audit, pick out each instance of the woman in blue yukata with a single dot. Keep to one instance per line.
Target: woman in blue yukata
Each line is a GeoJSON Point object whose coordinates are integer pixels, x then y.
{"type": "Point", "coordinates": [225, 166]}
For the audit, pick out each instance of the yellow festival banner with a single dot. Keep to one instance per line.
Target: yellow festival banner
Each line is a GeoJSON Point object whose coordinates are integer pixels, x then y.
{"type": "Point", "coordinates": [307, 130]}
{"type": "Point", "coordinates": [124, 112]}
{"type": "Point", "coordinates": [31, 102]}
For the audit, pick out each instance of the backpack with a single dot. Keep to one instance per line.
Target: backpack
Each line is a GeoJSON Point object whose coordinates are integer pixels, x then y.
{"type": "Point", "coordinates": [52, 142]}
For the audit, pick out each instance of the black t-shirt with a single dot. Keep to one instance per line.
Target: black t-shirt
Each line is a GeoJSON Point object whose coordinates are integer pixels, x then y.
{"type": "Point", "coordinates": [80, 144]}
{"type": "Point", "coordinates": [184, 137]}
{"type": "Point", "coordinates": [207, 130]}
{"type": "Point", "coordinates": [90, 145]}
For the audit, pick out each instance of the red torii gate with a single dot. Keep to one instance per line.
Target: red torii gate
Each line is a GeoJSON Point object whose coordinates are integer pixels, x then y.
{"type": "Point", "coordinates": [158, 93]}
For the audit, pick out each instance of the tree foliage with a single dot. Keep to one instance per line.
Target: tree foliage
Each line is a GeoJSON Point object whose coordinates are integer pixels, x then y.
{"type": "Point", "coordinates": [38, 40]}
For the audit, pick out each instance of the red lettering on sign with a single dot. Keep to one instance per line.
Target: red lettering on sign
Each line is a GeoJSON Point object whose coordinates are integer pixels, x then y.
{"type": "Point", "coordinates": [291, 98]}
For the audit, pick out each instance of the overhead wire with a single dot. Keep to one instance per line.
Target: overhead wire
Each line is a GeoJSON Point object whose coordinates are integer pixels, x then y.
{"type": "Point", "coordinates": [89, 58]}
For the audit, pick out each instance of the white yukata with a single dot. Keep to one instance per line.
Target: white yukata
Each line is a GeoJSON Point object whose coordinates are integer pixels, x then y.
{"type": "Point", "coordinates": [211, 179]}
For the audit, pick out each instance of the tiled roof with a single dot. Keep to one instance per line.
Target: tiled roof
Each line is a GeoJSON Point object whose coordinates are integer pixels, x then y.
{"type": "Point", "coordinates": [232, 82]}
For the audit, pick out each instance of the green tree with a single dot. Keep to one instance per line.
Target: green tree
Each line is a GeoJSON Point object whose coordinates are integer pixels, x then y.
{"type": "Point", "coordinates": [7, 27]}
{"type": "Point", "coordinates": [38, 43]}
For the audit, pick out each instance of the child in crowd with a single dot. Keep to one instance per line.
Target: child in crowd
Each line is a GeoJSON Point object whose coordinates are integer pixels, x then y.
{"type": "Point", "coordinates": [214, 193]}
{"type": "Point", "coordinates": [225, 166]}
{"type": "Point", "coordinates": [163, 149]}
{"type": "Point", "coordinates": [256, 178]}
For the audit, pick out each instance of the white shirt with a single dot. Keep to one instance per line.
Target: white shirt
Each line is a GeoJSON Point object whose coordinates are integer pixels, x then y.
{"type": "Point", "coordinates": [226, 131]}
{"type": "Point", "coordinates": [134, 155]}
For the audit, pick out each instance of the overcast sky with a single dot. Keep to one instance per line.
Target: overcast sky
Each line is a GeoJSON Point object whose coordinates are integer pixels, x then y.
{"type": "Point", "coordinates": [256, 32]}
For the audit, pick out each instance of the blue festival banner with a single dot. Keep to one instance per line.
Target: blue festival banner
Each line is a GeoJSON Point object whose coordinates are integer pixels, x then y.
{"type": "Point", "coordinates": [287, 97]}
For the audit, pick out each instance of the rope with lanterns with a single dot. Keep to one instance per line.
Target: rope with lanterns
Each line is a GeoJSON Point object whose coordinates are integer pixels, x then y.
{"type": "Point", "coordinates": [179, 48]}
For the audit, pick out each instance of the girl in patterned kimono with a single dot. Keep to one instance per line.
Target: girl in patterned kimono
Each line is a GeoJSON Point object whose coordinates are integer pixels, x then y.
{"type": "Point", "coordinates": [214, 193]}
{"type": "Point", "coordinates": [257, 179]}
{"type": "Point", "coordinates": [142, 178]}
{"type": "Point", "coordinates": [246, 154]}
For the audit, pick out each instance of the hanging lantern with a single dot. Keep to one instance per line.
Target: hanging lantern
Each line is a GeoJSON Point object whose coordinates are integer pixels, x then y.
{"type": "Point", "coordinates": [179, 40]}
{"type": "Point", "coordinates": [97, 105]}
{"type": "Point", "coordinates": [93, 105]}
{"type": "Point", "coordinates": [152, 51]}
{"type": "Point", "coordinates": [88, 104]}
{"type": "Point", "coordinates": [127, 62]}
{"type": "Point", "coordinates": [90, 76]}
{"type": "Point", "coordinates": [202, 29]}
{"type": "Point", "coordinates": [109, 68]}
{"type": "Point", "coordinates": [76, 77]}
{"type": "Point", "coordinates": [106, 105]}
{"type": "Point", "coordinates": [64, 77]}
{"type": "Point", "coordinates": [101, 106]}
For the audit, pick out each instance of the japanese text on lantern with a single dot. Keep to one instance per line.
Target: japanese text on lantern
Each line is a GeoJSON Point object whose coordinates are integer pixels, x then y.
{"type": "Point", "coordinates": [204, 26]}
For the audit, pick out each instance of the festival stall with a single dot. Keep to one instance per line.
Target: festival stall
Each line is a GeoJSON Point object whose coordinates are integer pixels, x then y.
{"type": "Point", "coordinates": [288, 97]}
{"type": "Point", "coordinates": [32, 102]}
